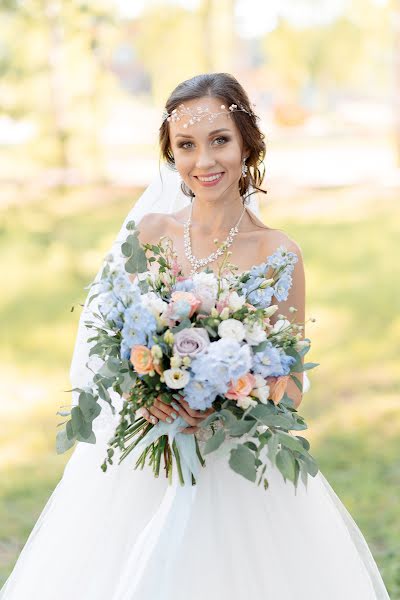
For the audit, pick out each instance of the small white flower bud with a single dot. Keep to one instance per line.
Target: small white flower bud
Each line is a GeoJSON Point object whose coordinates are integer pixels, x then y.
{"type": "Point", "coordinates": [225, 313]}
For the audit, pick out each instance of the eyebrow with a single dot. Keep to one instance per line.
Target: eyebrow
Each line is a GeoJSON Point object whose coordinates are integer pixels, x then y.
{"type": "Point", "coordinates": [210, 134]}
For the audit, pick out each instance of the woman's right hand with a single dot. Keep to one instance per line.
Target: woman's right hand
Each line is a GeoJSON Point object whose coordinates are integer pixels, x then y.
{"type": "Point", "coordinates": [169, 412]}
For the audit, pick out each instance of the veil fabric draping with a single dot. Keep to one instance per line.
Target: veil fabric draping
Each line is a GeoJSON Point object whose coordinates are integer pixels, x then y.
{"type": "Point", "coordinates": [126, 535]}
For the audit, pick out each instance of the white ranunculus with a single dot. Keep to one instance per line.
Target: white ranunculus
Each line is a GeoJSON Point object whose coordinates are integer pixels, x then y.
{"type": "Point", "coordinates": [245, 401]}
{"type": "Point", "coordinates": [235, 301]}
{"type": "Point", "coordinates": [280, 324]}
{"type": "Point", "coordinates": [231, 328]}
{"type": "Point", "coordinates": [255, 334]}
{"type": "Point", "coordinates": [261, 393]}
{"type": "Point", "coordinates": [154, 303]}
{"type": "Point", "coordinates": [260, 381]}
{"type": "Point", "coordinates": [176, 379]}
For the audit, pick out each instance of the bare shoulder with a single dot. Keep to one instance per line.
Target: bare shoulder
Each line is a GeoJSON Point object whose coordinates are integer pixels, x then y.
{"type": "Point", "coordinates": [152, 226]}
{"type": "Point", "coordinates": [274, 238]}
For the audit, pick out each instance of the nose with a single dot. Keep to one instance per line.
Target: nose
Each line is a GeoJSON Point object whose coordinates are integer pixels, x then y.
{"type": "Point", "coordinates": [204, 159]}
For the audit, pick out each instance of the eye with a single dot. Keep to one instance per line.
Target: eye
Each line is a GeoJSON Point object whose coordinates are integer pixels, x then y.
{"type": "Point", "coordinates": [221, 137]}
{"type": "Point", "coordinates": [183, 144]}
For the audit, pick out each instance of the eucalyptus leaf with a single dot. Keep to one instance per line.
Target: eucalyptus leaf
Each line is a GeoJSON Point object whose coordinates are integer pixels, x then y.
{"type": "Point", "coordinates": [298, 365]}
{"type": "Point", "coordinates": [273, 444]}
{"type": "Point", "coordinates": [63, 443]}
{"type": "Point", "coordinates": [242, 461]}
{"type": "Point", "coordinates": [285, 462]}
{"type": "Point", "coordinates": [262, 411]}
{"type": "Point", "coordinates": [69, 431]}
{"type": "Point", "coordinates": [305, 443]}
{"type": "Point", "coordinates": [90, 438]}
{"type": "Point", "coordinates": [311, 464]}
{"type": "Point", "coordinates": [90, 409]}
{"type": "Point", "coordinates": [214, 442]}
{"type": "Point", "coordinates": [261, 346]}
{"type": "Point", "coordinates": [291, 442]}
{"type": "Point", "coordinates": [241, 427]}
{"type": "Point", "coordinates": [132, 249]}
{"type": "Point", "coordinates": [297, 382]}
{"type": "Point", "coordinates": [77, 419]}
{"type": "Point", "coordinates": [310, 365]}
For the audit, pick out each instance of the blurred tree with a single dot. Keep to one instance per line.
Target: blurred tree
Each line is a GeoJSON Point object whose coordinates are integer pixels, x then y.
{"type": "Point", "coordinates": [58, 76]}
{"type": "Point", "coordinates": [396, 29]}
{"type": "Point", "coordinates": [347, 52]}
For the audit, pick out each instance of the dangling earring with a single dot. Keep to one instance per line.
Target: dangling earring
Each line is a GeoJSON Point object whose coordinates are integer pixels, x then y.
{"type": "Point", "coordinates": [245, 168]}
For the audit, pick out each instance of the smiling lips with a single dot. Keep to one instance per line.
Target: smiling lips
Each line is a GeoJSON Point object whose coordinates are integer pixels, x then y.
{"type": "Point", "coordinates": [209, 180]}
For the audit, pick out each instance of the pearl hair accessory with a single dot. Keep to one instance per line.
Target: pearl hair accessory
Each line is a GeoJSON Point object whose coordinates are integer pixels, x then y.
{"type": "Point", "coordinates": [201, 111]}
{"type": "Point", "coordinates": [201, 262]}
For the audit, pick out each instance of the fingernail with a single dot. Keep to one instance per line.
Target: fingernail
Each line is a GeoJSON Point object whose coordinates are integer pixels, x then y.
{"type": "Point", "coordinates": [153, 420]}
{"type": "Point", "coordinates": [169, 420]}
{"type": "Point", "coordinates": [174, 405]}
{"type": "Point", "coordinates": [173, 415]}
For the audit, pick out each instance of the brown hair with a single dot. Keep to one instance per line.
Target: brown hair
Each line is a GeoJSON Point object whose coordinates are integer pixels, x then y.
{"type": "Point", "coordinates": [225, 87]}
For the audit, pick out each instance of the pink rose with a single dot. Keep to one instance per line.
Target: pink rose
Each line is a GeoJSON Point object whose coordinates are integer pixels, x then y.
{"type": "Point", "coordinates": [241, 387]}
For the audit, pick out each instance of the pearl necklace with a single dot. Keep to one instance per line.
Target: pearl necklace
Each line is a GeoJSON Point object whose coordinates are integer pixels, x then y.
{"type": "Point", "coordinates": [201, 262]}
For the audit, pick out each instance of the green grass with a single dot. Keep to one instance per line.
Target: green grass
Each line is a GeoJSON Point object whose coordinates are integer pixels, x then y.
{"type": "Point", "coordinates": [52, 245]}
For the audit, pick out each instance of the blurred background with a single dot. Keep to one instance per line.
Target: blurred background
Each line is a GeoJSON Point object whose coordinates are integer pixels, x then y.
{"type": "Point", "coordinates": [82, 89]}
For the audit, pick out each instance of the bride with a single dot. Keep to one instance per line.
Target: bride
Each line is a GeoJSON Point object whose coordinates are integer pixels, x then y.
{"type": "Point", "coordinates": [125, 535]}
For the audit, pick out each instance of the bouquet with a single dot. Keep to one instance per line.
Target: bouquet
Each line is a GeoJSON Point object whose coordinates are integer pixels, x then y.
{"type": "Point", "coordinates": [208, 338]}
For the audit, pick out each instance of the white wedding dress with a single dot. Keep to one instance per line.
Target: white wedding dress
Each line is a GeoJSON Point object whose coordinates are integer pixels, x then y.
{"type": "Point", "coordinates": [124, 535]}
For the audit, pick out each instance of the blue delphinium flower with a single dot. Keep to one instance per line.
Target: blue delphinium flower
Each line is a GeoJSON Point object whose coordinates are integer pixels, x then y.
{"type": "Point", "coordinates": [139, 327]}
{"type": "Point", "coordinates": [272, 362]}
{"type": "Point", "coordinates": [258, 296]}
{"type": "Point", "coordinates": [200, 394]}
{"type": "Point", "coordinates": [229, 352]}
{"type": "Point", "coordinates": [281, 257]}
{"type": "Point", "coordinates": [282, 286]}
{"type": "Point", "coordinates": [224, 361]}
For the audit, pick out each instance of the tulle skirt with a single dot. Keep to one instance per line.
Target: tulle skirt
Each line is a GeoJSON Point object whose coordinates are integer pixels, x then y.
{"type": "Point", "coordinates": [125, 535]}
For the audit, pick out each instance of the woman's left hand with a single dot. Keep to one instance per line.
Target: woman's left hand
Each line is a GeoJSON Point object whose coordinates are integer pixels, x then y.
{"type": "Point", "coordinates": [192, 417]}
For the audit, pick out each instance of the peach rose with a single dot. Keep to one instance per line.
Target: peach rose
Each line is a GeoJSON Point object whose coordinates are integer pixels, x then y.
{"type": "Point", "coordinates": [183, 304]}
{"type": "Point", "coordinates": [142, 359]}
{"type": "Point", "coordinates": [277, 387]}
{"type": "Point", "coordinates": [241, 387]}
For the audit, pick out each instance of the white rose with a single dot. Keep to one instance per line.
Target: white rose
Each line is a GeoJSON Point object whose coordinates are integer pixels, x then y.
{"type": "Point", "coordinates": [235, 301]}
{"type": "Point", "coordinates": [176, 378]}
{"type": "Point", "coordinates": [279, 325]}
{"type": "Point", "coordinates": [255, 334]}
{"type": "Point", "coordinates": [261, 393]}
{"type": "Point", "coordinates": [231, 328]}
{"type": "Point", "coordinates": [205, 288]}
{"type": "Point", "coordinates": [245, 401]}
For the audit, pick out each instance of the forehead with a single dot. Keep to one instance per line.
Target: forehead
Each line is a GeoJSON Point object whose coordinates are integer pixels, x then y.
{"type": "Point", "coordinates": [221, 118]}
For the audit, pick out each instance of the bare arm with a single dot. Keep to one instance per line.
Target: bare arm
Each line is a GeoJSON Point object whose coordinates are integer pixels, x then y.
{"type": "Point", "coordinates": [296, 298]}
